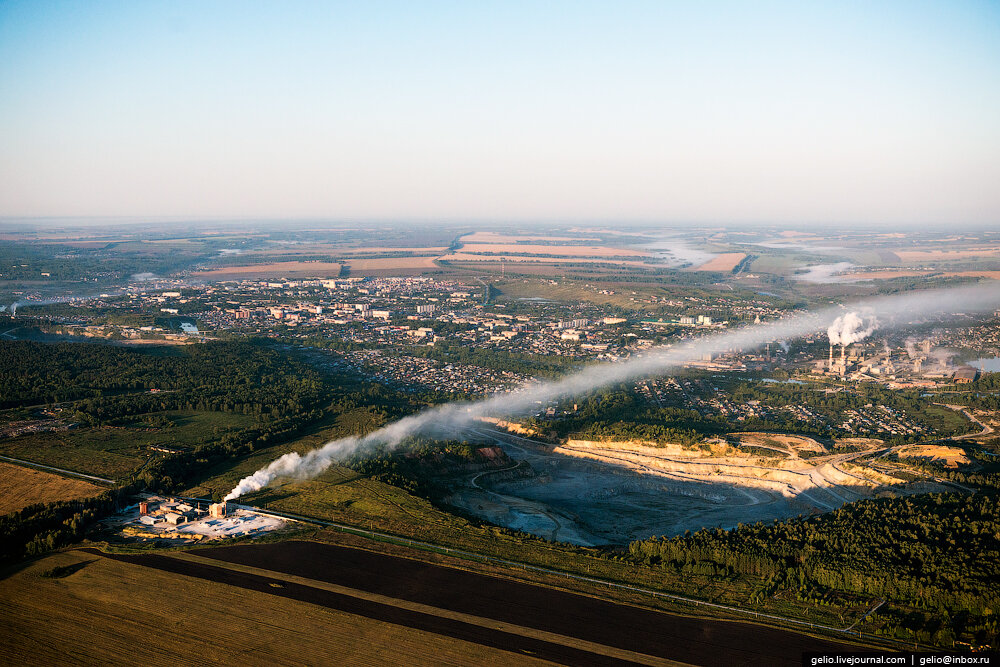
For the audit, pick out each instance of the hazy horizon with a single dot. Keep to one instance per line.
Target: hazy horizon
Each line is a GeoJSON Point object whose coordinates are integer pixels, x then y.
{"type": "Point", "coordinates": [643, 112]}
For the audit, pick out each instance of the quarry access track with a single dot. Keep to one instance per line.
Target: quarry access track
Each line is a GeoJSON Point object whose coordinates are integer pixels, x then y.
{"type": "Point", "coordinates": [509, 615]}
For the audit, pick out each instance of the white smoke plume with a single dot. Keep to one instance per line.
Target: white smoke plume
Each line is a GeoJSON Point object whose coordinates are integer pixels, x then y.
{"type": "Point", "coordinates": [784, 346]}
{"type": "Point", "coordinates": [851, 327]}
{"type": "Point", "coordinates": [442, 420]}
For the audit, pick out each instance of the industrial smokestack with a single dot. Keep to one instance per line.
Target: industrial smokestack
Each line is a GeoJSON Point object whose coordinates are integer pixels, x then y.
{"type": "Point", "coordinates": [830, 365]}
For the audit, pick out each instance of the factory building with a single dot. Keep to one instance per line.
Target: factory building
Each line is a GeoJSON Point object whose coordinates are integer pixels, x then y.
{"type": "Point", "coordinates": [217, 510]}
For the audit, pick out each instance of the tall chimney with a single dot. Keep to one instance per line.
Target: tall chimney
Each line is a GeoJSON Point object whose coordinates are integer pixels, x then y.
{"type": "Point", "coordinates": [831, 356]}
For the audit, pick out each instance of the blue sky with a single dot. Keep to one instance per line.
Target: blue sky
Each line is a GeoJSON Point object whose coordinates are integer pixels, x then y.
{"type": "Point", "coordinates": [799, 112]}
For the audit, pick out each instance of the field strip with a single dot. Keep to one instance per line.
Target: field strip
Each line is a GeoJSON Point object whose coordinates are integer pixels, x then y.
{"type": "Point", "coordinates": [59, 470]}
{"type": "Point", "coordinates": [491, 624]}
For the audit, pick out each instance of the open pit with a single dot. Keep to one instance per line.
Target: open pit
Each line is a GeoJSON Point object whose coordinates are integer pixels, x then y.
{"type": "Point", "coordinates": [591, 493]}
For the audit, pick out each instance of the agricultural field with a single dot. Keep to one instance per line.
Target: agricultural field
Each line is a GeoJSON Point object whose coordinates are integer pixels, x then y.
{"type": "Point", "coordinates": [116, 451]}
{"type": "Point", "coordinates": [725, 262]}
{"type": "Point", "coordinates": [276, 270]}
{"type": "Point", "coordinates": [156, 617]}
{"type": "Point", "coordinates": [383, 264]}
{"type": "Point", "coordinates": [20, 487]}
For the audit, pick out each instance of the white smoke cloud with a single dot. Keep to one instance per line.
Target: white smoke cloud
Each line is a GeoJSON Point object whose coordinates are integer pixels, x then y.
{"type": "Point", "coordinates": [442, 420]}
{"type": "Point", "coordinates": [144, 276]}
{"type": "Point", "coordinates": [851, 327]}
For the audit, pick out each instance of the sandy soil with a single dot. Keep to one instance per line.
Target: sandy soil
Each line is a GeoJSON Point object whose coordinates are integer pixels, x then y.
{"type": "Point", "coordinates": [791, 444]}
{"type": "Point", "coordinates": [724, 262]}
{"type": "Point", "coordinates": [952, 457]}
{"type": "Point", "coordinates": [20, 487]}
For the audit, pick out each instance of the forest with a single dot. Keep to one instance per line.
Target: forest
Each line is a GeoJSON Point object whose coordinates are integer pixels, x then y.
{"type": "Point", "coordinates": [935, 556]}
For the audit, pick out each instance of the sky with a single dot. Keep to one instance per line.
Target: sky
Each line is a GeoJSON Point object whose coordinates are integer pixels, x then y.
{"type": "Point", "coordinates": [709, 112]}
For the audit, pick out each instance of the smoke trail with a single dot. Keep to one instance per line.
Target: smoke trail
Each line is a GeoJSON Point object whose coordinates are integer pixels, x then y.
{"type": "Point", "coordinates": [442, 419]}
{"type": "Point", "coordinates": [851, 327]}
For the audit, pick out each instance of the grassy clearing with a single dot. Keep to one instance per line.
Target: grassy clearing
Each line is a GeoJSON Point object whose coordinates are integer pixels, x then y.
{"type": "Point", "coordinates": [114, 452]}
{"type": "Point", "coordinates": [103, 610]}
{"type": "Point", "coordinates": [20, 487]}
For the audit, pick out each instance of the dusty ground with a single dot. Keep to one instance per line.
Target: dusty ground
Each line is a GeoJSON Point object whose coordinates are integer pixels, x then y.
{"type": "Point", "coordinates": [20, 487]}
{"type": "Point", "coordinates": [952, 457]}
{"type": "Point", "coordinates": [792, 445]}
{"type": "Point", "coordinates": [597, 493]}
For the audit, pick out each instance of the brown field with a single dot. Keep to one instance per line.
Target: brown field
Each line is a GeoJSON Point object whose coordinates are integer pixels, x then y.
{"type": "Point", "coordinates": [277, 269]}
{"type": "Point", "coordinates": [388, 263]}
{"type": "Point", "coordinates": [20, 487]}
{"type": "Point", "coordinates": [928, 255]}
{"type": "Point", "coordinates": [493, 237]}
{"type": "Point", "coordinates": [724, 262]}
{"type": "Point", "coordinates": [539, 261]}
{"type": "Point", "coordinates": [558, 250]}
{"type": "Point", "coordinates": [952, 457]}
{"type": "Point", "coordinates": [381, 250]}
{"type": "Point", "coordinates": [107, 612]}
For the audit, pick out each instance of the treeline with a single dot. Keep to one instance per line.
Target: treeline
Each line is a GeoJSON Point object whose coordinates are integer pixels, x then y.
{"type": "Point", "coordinates": [936, 552]}
{"type": "Point", "coordinates": [110, 382]}
{"type": "Point", "coordinates": [43, 527]}
{"type": "Point", "coordinates": [620, 413]}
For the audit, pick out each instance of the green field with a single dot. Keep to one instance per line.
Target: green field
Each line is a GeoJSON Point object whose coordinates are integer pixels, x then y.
{"type": "Point", "coordinates": [114, 452]}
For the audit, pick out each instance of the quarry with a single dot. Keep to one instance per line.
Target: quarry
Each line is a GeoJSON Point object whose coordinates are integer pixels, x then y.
{"type": "Point", "coordinates": [592, 493]}
{"type": "Point", "coordinates": [189, 521]}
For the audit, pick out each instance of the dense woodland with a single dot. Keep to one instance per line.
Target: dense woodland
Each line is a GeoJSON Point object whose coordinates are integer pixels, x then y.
{"type": "Point", "coordinates": [110, 384]}
{"type": "Point", "coordinates": [937, 555]}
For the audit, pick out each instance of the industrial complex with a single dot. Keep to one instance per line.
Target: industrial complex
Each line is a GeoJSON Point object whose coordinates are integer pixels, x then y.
{"type": "Point", "coordinates": [184, 520]}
